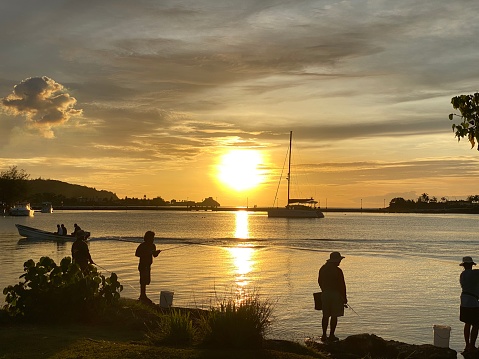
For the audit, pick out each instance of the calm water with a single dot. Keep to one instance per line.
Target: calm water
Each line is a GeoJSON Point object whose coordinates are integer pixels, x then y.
{"type": "Point", "coordinates": [401, 270]}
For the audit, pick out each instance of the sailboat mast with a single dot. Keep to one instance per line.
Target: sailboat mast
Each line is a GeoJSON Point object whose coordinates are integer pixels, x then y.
{"type": "Point", "coordinates": [289, 162]}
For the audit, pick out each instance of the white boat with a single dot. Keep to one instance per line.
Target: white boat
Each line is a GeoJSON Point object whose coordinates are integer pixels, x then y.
{"type": "Point", "coordinates": [21, 209]}
{"type": "Point", "coordinates": [47, 207]}
{"type": "Point", "coordinates": [296, 207]}
{"type": "Point", "coordinates": [30, 232]}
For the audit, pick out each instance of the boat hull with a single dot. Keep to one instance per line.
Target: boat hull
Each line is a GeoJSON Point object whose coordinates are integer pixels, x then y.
{"type": "Point", "coordinates": [34, 233]}
{"type": "Point", "coordinates": [23, 210]}
{"type": "Point", "coordinates": [294, 213]}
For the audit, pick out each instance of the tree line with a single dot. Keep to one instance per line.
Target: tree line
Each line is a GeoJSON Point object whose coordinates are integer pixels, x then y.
{"type": "Point", "coordinates": [424, 201]}
{"type": "Point", "coordinates": [16, 186]}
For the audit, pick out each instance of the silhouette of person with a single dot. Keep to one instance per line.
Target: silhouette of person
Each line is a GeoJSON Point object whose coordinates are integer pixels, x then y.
{"type": "Point", "coordinates": [469, 309]}
{"type": "Point", "coordinates": [334, 299]}
{"type": "Point", "coordinates": [64, 230]}
{"type": "Point", "coordinates": [146, 251]}
{"type": "Point", "coordinates": [76, 229]}
{"type": "Point", "coordinates": [81, 252]}
{"type": "Point", "coordinates": [59, 230]}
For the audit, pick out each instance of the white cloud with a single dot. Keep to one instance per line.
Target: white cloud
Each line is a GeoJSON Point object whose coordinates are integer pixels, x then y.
{"type": "Point", "coordinates": [43, 102]}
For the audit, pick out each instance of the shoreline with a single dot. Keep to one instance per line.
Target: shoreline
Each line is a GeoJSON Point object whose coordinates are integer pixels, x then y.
{"type": "Point", "coordinates": [257, 209]}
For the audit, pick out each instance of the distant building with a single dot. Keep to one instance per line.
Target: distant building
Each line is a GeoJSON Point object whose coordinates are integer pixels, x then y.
{"type": "Point", "coordinates": [209, 202]}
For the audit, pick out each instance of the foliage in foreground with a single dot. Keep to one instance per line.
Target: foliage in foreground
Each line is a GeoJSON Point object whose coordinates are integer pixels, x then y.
{"type": "Point", "coordinates": [240, 323]}
{"type": "Point", "coordinates": [50, 291]}
{"type": "Point", "coordinates": [176, 328]}
{"type": "Point", "coordinates": [232, 323]}
{"type": "Point", "coordinates": [468, 106]}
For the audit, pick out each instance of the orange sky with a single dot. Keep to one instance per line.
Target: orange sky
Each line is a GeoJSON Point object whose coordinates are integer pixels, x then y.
{"type": "Point", "coordinates": [147, 97]}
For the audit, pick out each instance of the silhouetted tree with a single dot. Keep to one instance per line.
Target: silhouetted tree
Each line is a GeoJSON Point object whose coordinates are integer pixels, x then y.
{"type": "Point", "coordinates": [468, 106]}
{"type": "Point", "coordinates": [424, 198]}
{"type": "Point", "coordinates": [13, 185]}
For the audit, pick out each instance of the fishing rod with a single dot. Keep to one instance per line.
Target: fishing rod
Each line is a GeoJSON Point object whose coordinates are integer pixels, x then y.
{"type": "Point", "coordinates": [181, 245]}
{"type": "Point", "coordinates": [349, 306]}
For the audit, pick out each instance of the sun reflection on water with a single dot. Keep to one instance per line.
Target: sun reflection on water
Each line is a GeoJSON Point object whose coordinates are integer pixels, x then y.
{"type": "Point", "coordinates": [242, 230]}
{"type": "Point", "coordinates": [243, 262]}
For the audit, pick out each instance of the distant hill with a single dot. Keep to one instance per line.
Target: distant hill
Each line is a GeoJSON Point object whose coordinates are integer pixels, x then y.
{"type": "Point", "coordinates": [38, 187]}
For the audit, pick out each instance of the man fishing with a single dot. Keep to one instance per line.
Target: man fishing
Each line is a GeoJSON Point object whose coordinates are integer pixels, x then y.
{"type": "Point", "coordinates": [334, 299]}
{"type": "Point", "coordinates": [146, 251]}
{"type": "Point", "coordinates": [469, 309]}
{"type": "Point", "coordinates": [80, 252]}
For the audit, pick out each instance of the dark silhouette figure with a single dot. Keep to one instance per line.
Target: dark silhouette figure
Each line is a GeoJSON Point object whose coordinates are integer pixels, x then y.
{"type": "Point", "coordinates": [59, 230]}
{"type": "Point", "coordinates": [64, 230]}
{"type": "Point", "coordinates": [469, 310]}
{"type": "Point", "coordinates": [333, 287]}
{"type": "Point", "coordinates": [146, 251]}
{"type": "Point", "coordinates": [81, 252]}
{"type": "Point", "coordinates": [76, 228]}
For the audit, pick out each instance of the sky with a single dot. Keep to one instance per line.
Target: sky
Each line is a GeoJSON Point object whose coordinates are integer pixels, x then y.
{"type": "Point", "coordinates": [193, 99]}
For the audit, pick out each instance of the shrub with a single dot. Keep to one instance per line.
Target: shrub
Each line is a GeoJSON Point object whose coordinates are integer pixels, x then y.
{"type": "Point", "coordinates": [240, 323]}
{"type": "Point", "coordinates": [176, 328]}
{"type": "Point", "coordinates": [51, 292]}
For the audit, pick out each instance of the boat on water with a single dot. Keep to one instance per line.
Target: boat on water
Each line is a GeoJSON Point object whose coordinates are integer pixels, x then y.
{"type": "Point", "coordinates": [34, 233]}
{"type": "Point", "coordinates": [47, 207]}
{"type": "Point", "coordinates": [296, 207]}
{"type": "Point", "coordinates": [21, 209]}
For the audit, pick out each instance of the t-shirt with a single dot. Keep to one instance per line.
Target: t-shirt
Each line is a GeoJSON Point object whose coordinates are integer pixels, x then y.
{"type": "Point", "coordinates": [331, 278]}
{"type": "Point", "coordinates": [469, 280]}
{"type": "Point", "coordinates": [81, 253]}
{"type": "Point", "coordinates": [145, 252]}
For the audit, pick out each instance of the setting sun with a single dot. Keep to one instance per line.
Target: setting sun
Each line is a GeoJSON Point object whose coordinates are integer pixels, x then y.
{"type": "Point", "coordinates": [241, 169]}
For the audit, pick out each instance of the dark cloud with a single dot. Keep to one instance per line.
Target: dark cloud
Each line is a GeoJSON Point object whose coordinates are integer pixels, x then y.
{"type": "Point", "coordinates": [42, 101]}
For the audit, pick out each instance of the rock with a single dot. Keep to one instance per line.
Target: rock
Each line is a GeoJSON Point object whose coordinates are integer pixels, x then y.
{"type": "Point", "coordinates": [371, 346]}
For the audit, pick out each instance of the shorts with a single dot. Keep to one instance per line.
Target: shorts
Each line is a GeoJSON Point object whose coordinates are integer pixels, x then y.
{"type": "Point", "coordinates": [469, 315]}
{"type": "Point", "coordinates": [333, 304]}
{"type": "Point", "coordinates": [145, 275]}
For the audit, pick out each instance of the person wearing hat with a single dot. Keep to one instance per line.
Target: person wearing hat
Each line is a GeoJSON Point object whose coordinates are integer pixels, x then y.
{"type": "Point", "coordinates": [334, 299]}
{"type": "Point", "coordinates": [469, 310]}
{"type": "Point", "coordinates": [81, 252]}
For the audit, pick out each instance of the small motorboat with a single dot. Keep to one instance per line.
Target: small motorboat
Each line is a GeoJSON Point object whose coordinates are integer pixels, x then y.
{"type": "Point", "coordinates": [34, 233]}
{"type": "Point", "coordinates": [47, 207]}
{"type": "Point", "coordinates": [21, 209]}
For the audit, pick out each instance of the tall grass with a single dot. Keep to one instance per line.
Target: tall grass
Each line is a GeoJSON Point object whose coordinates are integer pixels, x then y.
{"type": "Point", "coordinates": [176, 327]}
{"type": "Point", "coordinates": [238, 323]}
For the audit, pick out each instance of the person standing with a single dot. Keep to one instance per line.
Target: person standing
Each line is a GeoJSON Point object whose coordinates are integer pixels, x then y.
{"type": "Point", "coordinates": [81, 252]}
{"type": "Point", "coordinates": [334, 299]}
{"type": "Point", "coordinates": [469, 309]}
{"type": "Point", "coordinates": [146, 251]}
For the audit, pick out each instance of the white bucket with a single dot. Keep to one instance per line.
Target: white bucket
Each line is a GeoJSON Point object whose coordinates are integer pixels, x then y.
{"type": "Point", "coordinates": [441, 335]}
{"type": "Point", "coordinates": [166, 299]}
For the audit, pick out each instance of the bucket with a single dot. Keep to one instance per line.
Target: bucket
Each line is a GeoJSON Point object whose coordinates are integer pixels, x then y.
{"type": "Point", "coordinates": [166, 299]}
{"type": "Point", "coordinates": [441, 335]}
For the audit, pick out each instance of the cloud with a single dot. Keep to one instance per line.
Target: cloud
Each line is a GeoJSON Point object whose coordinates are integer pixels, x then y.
{"type": "Point", "coordinates": [43, 102]}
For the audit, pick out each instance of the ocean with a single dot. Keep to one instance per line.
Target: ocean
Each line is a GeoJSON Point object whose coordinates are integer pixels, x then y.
{"type": "Point", "coordinates": [401, 270]}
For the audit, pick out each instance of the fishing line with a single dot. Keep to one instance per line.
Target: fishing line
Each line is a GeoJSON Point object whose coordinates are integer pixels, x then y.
{"type": "Point", "coordinates": [99, 266]}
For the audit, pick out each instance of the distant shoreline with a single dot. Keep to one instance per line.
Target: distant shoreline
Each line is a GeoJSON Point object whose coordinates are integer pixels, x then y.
{"type": "Point", "coordinates": [257, 209]}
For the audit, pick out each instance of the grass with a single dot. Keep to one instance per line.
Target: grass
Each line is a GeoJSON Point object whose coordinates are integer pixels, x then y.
{"type": "Point", "coordinates": [126, 334]}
